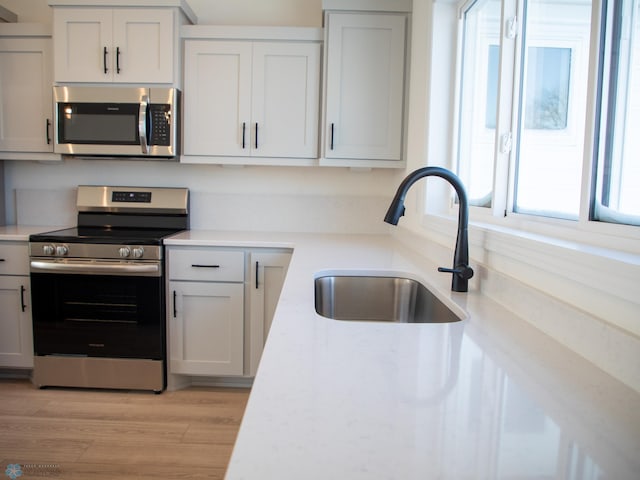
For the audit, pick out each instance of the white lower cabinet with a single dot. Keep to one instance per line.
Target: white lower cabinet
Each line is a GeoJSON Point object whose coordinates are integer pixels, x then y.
{"type": "Point", "coordinates": [16, 337]}
{"type": "Point", "coordinates": [268, 269]}
{"type": "Point", "coordinates": [206, 311]}
{"type": "Point", "coordinates": [221, 302]}
{"type": "Point", "coordinates": [207, 328]}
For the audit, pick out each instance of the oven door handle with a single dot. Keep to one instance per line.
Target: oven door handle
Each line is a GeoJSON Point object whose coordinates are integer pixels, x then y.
{"type": "Point", "coordinates": [88, 268]}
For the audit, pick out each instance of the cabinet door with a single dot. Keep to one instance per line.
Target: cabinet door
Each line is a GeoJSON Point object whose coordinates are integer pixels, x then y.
{"type": "Point", "coordinates": [206, 328]}
{"type": "Point", "coordinates": [25, 95]}
{"type": "Point", "coordinates": [267, 278]}
{"type": "Point", "coordinates": [142, 45]}
{"type": "Point", "coordinates": [16, 337]}
{"type": "Point", "coordinates": [80, 38]}
{"type": "Point", "coordinates": [217, 98]}
{"type": "Point", "coordinates": [285, 99]}
{"type": "Point", "coordinates": [365, 83]}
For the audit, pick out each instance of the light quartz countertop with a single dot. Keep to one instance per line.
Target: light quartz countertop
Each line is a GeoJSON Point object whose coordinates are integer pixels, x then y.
{"type": "Point", "coordinates": [488, 397]}
{"type": "Point", "coordinates": [20, 233]}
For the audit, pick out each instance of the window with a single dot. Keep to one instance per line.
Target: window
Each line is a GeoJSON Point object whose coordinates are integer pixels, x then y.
{"type": "Point", "coordinates": [478, 113]}
{"type": "Point", "coordinates": [617, 186]}
{"type": "Point", "coordinates": [523, 98]}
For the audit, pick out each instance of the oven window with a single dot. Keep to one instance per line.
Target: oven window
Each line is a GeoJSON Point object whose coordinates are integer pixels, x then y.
{"type": "Point", "coordinates": [98, 315]}
{"type": "Point", "coordinates": [116, 304]}
{"type": "Point", "coordinates": [98, 123]}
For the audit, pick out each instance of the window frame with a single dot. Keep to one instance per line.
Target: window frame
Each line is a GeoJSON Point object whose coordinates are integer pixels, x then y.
{"type": "Point", "coordinates": [501, 215]}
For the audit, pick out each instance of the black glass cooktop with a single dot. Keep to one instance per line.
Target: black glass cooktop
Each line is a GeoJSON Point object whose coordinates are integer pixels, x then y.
{"type": "Point", "coordinates": [142, 236]}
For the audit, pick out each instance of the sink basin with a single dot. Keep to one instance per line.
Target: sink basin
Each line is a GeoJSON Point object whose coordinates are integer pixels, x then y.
{"type": "Point", "coordinates": [379, 299]}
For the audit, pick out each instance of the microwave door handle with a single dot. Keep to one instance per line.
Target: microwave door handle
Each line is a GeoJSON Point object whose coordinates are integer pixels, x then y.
{"type": "Point", "coordinates": [142, 124]}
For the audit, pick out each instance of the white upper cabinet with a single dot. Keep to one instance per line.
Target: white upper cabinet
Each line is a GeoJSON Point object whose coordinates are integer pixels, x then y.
{"type": "Point", "coordinates": [143, 40]}
{"type": "Point", "coordinates": [364, 87]}
{"type": "Point", "coordinates": [25, 89]}
{"type": "Point", "coordinates": [285, 99]}
{"type": "Point", "coordinates": [126, 45]}
{"type": "Point", "coordinates": [217, 98]}
{"type": "Point", "coordinates": [250, 101]}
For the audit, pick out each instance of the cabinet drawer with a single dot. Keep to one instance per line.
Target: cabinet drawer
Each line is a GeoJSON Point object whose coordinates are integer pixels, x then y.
{"type": "Point", "coordinates": [14, 259]}
{"type": "Point", "coordinates": [206, 264]}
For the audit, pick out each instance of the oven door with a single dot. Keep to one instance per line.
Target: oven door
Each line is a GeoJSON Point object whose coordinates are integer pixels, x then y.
{"type": "Point", "coordinates": [98, 315]}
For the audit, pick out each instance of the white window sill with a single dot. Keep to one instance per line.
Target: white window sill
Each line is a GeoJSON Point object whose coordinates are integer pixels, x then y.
{"type": "Point", "coordinates": [603, 282]}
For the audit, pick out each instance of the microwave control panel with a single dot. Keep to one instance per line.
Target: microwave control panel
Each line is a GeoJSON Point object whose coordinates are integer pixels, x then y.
{"type": "Point", "coordinates": [160, 123]}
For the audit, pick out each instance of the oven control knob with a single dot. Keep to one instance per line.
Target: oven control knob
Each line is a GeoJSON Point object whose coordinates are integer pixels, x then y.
{"type": "Point", "coordinates": [48, 249]}
{"type": "Point", "coordinates": [138, 252]}
{"type": "Point", "coordinates": [124, 252]}
{"type": "Point", "coordinates": [62, 250]}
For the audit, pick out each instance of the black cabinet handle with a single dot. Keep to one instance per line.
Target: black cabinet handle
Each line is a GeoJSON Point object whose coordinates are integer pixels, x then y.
{"type": "Point", "coordinates": [331, 141]}
{"type": "Point", "coordinates": [47, 127]}
{"type": "Point", "coordinates": [22, 290]}
{"type": "Point", "coordinates": [117, 59]}
{"type": "Point", "coordinates": [2, 260]}
{"type": "Point", "coordinates": [257, 275]}
{"type": "Point", "coordinates": [197, 265]}
{"type": "Point", "coordinates": [256, 135]}
{"type": "Point", "coordinates": [175, 313]}
{"type": "Point", "coordinates": [104, 59]}
{"type": "Point", "coordinates": [244, 129]}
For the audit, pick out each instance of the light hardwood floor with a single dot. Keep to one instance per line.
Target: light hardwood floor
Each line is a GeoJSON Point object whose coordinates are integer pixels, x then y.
{"type": "Point", "coordinates": [99, 435]}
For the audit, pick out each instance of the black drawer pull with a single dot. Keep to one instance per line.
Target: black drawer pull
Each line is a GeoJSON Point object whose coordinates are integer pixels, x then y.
{"type": "Point", "coordinates": [331, 145]}
{"type": "Point", "coordinates": [196, 265]}
{"type": "Point", "coordinates": [257, 266]}
{"type": "Point", "coordinates": [22, 304]}
{"type": "Point", "coordinates": [2, 260]}
{"type": "Point", "coordinates": [256, 135]}
{"type": "Point", "coordinates": [104, 59]}
{"type": "Point", "coordinates": [244, 129]}
{"type": "Point", "coordinates": [175, 312]}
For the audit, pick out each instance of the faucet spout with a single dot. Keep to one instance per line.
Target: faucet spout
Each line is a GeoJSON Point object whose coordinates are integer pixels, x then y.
{"type": "Point", "coordinates": [461, 270]}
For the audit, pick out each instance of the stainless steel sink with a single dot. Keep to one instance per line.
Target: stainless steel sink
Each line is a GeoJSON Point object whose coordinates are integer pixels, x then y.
{"type": "Point", "coordinates": [379, 299]}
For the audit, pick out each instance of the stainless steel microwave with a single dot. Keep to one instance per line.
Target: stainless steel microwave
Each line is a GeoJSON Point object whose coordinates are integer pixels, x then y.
{"type": "Point", "coordinates": [117, 121]}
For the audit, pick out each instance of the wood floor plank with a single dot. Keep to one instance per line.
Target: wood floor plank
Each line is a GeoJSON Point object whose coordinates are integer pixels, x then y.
{"type": "Point", "coordinates": [144, 412]}
{"type": "Point", "coordinates": [203, 455]}
{"type": "Point", "coordinates": [219, 434]}
{"type": "Point", "coordinates": [105, 434]}
{"type": "Point", "coordinates": [111, 471]}
{"type": "Point", "coordinates": [38, 450]}
{"type": "Point", "coordinates": [89, 430]}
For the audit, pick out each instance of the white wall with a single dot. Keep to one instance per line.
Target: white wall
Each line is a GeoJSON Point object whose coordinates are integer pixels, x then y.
{"type": "Point", "coordinates": [272, 198]}
{"type": "Point", "coordinates": [31, 11]}
{"type": "Point", "coordinates": [225, 198]}
{"type": "Point", "coordinates": [302, 13]}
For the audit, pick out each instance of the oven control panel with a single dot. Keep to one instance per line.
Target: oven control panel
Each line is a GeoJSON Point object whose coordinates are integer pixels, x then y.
{"type": "Point", "coordinates": [95, 251]}
{"type": "Point", "coordinates": [131, 197]}
{"type": "Point", "coordinates": [134, 252]}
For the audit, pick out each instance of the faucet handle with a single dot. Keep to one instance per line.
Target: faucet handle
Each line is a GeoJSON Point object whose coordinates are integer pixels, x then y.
{"type": "Point", "coordinates": [463, 271]}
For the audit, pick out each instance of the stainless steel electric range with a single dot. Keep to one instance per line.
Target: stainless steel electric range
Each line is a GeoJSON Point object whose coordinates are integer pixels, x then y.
{"type": "Point", "coordinates": [98, 290]}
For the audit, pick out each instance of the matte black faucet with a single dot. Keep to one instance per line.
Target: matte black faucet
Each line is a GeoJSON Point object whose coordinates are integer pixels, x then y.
{"type": "Point", "coordinates": [461, 270]}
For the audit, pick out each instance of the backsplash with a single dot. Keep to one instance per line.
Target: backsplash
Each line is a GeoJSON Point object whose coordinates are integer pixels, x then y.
{"type": "Point", "coordinates": [44, 207]}
{"type": "Point", "coordinates": [241, 212]}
